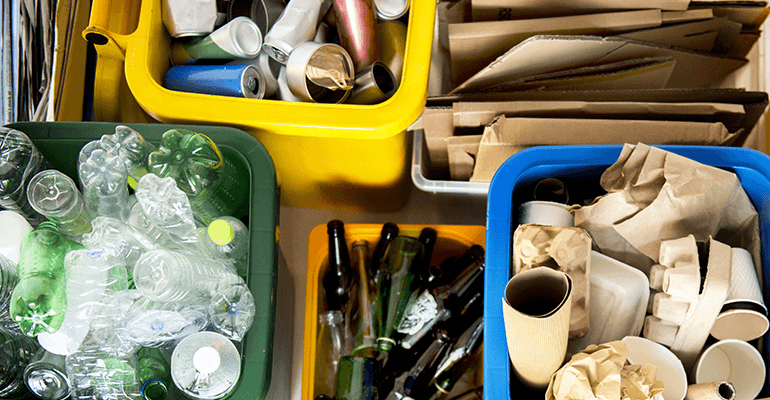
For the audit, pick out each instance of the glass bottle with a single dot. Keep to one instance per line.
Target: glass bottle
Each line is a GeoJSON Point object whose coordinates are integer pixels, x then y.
{"type": "Point", "coordinates": [358, 377]}
{"type": "Point", "coordinates": [337, 281]}
{"type": "Point", "coordinates": [39, 298]}
{"type": "Point", "coordinates": [435, 306]}
{"type": "Point", "coordinates": [400, 279]}
{"type": "Point", "coordinates": [428, 238]}
{"type": "Point", "coordinates": [212, 183]}
{"type": "Point", "coordinates": [55, 195]}
{"type": "Point", "coordinates": [450, 268]}
{"type": "Point", "coordinates": [154, 373]}
{"type": "Point", "coordinates": [46, 376]}
{"type": "Point", "coordinates": [457, 361]}
{"type": "Point", "coordinates": [415, 383]}
{"type": "Point", "coordinates": [365, 337]}
{"type": "Point", "coordinates": [388, 233]}
{"type": "Point", "coordinates": [330, 344]}
{"type": "Point", "coordinates": [20, 160]}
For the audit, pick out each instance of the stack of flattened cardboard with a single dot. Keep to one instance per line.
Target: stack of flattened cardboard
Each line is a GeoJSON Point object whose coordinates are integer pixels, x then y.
{"type": "Point", "coordinates": [511, 74]}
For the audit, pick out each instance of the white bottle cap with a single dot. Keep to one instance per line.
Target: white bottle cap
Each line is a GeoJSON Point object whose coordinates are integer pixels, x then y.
{"type": "Point", "coordinates": [206, 360]}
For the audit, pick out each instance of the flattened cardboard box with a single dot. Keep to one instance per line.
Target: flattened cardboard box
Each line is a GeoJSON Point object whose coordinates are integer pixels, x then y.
{"type": "Point", "coordinates": [490, 10]}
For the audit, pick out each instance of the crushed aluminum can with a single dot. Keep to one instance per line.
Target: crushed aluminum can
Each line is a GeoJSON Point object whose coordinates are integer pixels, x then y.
{"type": "Point", "coordinates": [185, 18]}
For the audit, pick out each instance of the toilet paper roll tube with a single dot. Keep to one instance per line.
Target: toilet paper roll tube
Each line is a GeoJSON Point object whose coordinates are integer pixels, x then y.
{"type": "Point", "coordinates": [720, 390]}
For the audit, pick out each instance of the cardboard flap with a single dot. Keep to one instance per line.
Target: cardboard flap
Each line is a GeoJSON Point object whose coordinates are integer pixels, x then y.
{"type": "Point", "coordinates": [462, 151]}
{"type": "Point", "coordinates": [474, 45]}
{"type": "Point", "coordinates": [633, 74]}
{"type": "Point", "coordinates": [544, 54]}
{"type": "Point", "coordinates": [678, 17]}
{"type": "Point", "coordinates": [506, 136]}
{"type": "Point", "coordinates": [699, 35]}
{"type": "Point", "coordinates": [496, 10]}
{"type": "Point", "coordinates": [749, 14]}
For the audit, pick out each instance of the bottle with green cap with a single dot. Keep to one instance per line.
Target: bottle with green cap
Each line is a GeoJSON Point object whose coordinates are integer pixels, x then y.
{"type": "Point", "coordinates": [227, 237]}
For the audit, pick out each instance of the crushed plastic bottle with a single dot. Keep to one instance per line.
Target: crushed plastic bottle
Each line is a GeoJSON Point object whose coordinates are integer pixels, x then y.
{"type": "Point", "coordinates": [100, 374]}
{"type": "Point", "coordinates": [231, 311]}
{"type": "Point", "coordinates": [167, 208]}
{"type": "Point", "coordinates": [93, 274]}
{"type": "Point", "coordinates": [20, 160]}
{"type": "Point", "coordinates": [132, 148]}
{"type": "Point", "coordinates": [39, 298]}
{"type": "Point", "coordinates": [129, 241]}
{"type": "Point", "coordinates": [213, 184]}
{"type": "Point", "coordinates": [227, 237]}
{"type": "Point", "coordinates": [154, 324]}
{"type": "Point", "coordinates": [104, 180]}
{"type": "Point", "coordinates": [55, 195]}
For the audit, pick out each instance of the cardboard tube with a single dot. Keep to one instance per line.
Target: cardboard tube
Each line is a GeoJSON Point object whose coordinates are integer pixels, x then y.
{"type": "Point", "coordinates": [720, 390]}
{"type": "Point", "coordinates": [536, 311]}
{"type": "Point", "coordinates": [683, 250]}
{"type": "Point", "coordinates": [682, 282]}
{"type": "Point", "coordinates": [545, 213]}
{"type": "Point", "coordinates": [669, 308]}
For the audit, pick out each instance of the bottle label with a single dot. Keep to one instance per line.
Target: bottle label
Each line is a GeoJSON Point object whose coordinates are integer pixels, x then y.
{"type": "Point", "coordinates": [418, 313]}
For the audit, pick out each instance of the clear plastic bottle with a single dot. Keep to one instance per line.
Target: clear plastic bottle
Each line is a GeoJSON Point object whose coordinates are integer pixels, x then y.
{"type": "Point", "coordinates": [231, 311]}
{"type": "Point", "coordinates": [154, 324]}
{"type": "Point", "coordinates": [16, 351]}
{"type": "Point", "coordinates": [162, 275]}
{"type": "Point", "coordinates": [206, 365]}
{"type": "Point", "coordinates": [211, 181]}
{"type": "Point", "coordinates": [100, 374]}
{"type": "Point", "coordinates": [46, 376]}
{"type": "Point", "coordinates": [132, 148]}
{"type": "Point", "coordinates": [129, 241]}
{"type": "Point", "coordinates": [55, 195]}
{"type": "Point", "coordinates": [39, 298]}
{"type": "Point", "coordinates": [104, 180]}
{"type": "Point", "coordinates": [227, 237]}
{"type": "Point", "coordinates": [7, 283]}
{"type": "Point", "coordinates": [93, 273]}
{"type": "Point", "coordinates": [167, 208]}
{"type": "Point", "coordinates": [20, 160]}
{"type": "Point", "coordinates": [15, 227]}
{"type": "Point", "coordinates": [140, 222]}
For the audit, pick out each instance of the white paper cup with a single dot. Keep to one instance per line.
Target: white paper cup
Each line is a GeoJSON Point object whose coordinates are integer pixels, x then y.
{"type": "Point", "coordinates": [536, 310]}
{"type": "Point", "coordinates": [670, 368]}
{"type": "Point", "coordinates": [545, 213]}
{"type": "Point", "coordinates": [744, 315]}
{"type": "Point", "coordinates": [734, 361]}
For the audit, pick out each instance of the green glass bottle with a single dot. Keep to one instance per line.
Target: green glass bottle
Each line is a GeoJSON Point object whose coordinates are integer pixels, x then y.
{"type": "Point", "coordinates": [399, 279]}
{"type": "Point", "coordinates": [457, 361]}
{"type": "Point", "coordinates": [39, 299]}
{"type": "Point", "coordinates": [154, 373]}
{"type": "Point", "coordinates": [211, 182]}
{"type": "Point", "coordinates": [387, 234]}
{"type": "Point", "coordinates": [357, 378]}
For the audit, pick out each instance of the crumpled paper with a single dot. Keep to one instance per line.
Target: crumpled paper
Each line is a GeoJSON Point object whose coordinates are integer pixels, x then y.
{"type": "Point", "coordinates": [655, 195]}
{"type": "Point", "coordinates": [599, 373]}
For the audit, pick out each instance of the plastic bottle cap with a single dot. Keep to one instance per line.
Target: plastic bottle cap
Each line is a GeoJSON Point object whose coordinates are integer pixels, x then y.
{"type": "Point", "coordinates": [206, 360]}
{"type": "Point", "coordinates": [220, 232]}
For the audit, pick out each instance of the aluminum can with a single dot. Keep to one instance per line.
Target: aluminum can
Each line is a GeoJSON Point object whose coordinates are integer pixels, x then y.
{"type": "Point", "coordinates": [223, 80]}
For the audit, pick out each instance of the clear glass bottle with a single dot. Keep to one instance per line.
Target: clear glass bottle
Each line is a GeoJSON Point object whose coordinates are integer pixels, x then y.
{"type": "Point", "coordinates": [463, 354]}
{"type": "Point", "coordinates": [415, 383]}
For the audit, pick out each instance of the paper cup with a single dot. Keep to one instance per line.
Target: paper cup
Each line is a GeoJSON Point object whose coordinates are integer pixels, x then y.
{"type": "Point", "coordinates": [670, 368]}
{"type": "Point", "coordinates": [545, 213]}
{"type": "Point", "coordinates": [734, 361]}
{"type": "Point", "coordinates": [744, 315]}
{"type": "Point", "coordinates": [536, 311]}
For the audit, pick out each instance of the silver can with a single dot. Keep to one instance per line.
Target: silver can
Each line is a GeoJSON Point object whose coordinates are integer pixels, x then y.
{"type": "Point", "coordinates": [189, 17]}
{"type": "Point", "coordinates": [46, 376]}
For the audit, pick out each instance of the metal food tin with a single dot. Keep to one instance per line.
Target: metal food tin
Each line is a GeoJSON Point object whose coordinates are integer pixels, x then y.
{"type": "Point", "coordinates": [297, 73]}
{"type": "Point", "coordinates": [373, 85]}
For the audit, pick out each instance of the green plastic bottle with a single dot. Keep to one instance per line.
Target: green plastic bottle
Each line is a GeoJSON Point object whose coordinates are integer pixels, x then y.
{"type": "Point", "coordinates": [399, 279]}
{"type": "Point", "coordinates": [212, 183]}
{"type": "Point", "coordinates": [154, 373]}
{"type": "Point", "coordinates": [39, 299]}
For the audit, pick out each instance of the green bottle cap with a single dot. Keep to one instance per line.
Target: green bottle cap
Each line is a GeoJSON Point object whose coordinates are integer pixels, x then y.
{"type": "Point", "coordinates": [221, 232]}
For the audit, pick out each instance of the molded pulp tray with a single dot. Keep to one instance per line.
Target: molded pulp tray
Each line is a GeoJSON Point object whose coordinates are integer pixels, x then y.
{"type": "Point", "coordinates": [584, 164]}
{"type": "Point", "coordinates": [60, 143]}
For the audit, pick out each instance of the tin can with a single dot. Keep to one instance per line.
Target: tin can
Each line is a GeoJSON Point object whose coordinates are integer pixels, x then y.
{"type": "Point", "coordinates": [46, 376]}
{"type": "Point", "coordinates": [393, 46]}
{"type": "Point", "coordinates": [390, 10]}
{"type": "Point", "coordinates": [357, 30]}
{"type": "Point", "coordinates": [373, 85]}
{"type": "Point", "coordinates": [185, 18]}
{"type": "Point", "coordinates": [304, 58]}
{"type": "Point", "coordinates": [298, 24]}
{"type": "Point", "coordinates": [206, 366]}
{"type": "Point", "coordinates": [239, 38]}
{"type": "Point", "coordinates": [224, 80]}
{"type": "Point", "coordinates": [282, 90]}
{"type": "Point", "coordinates": [263, 12]}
